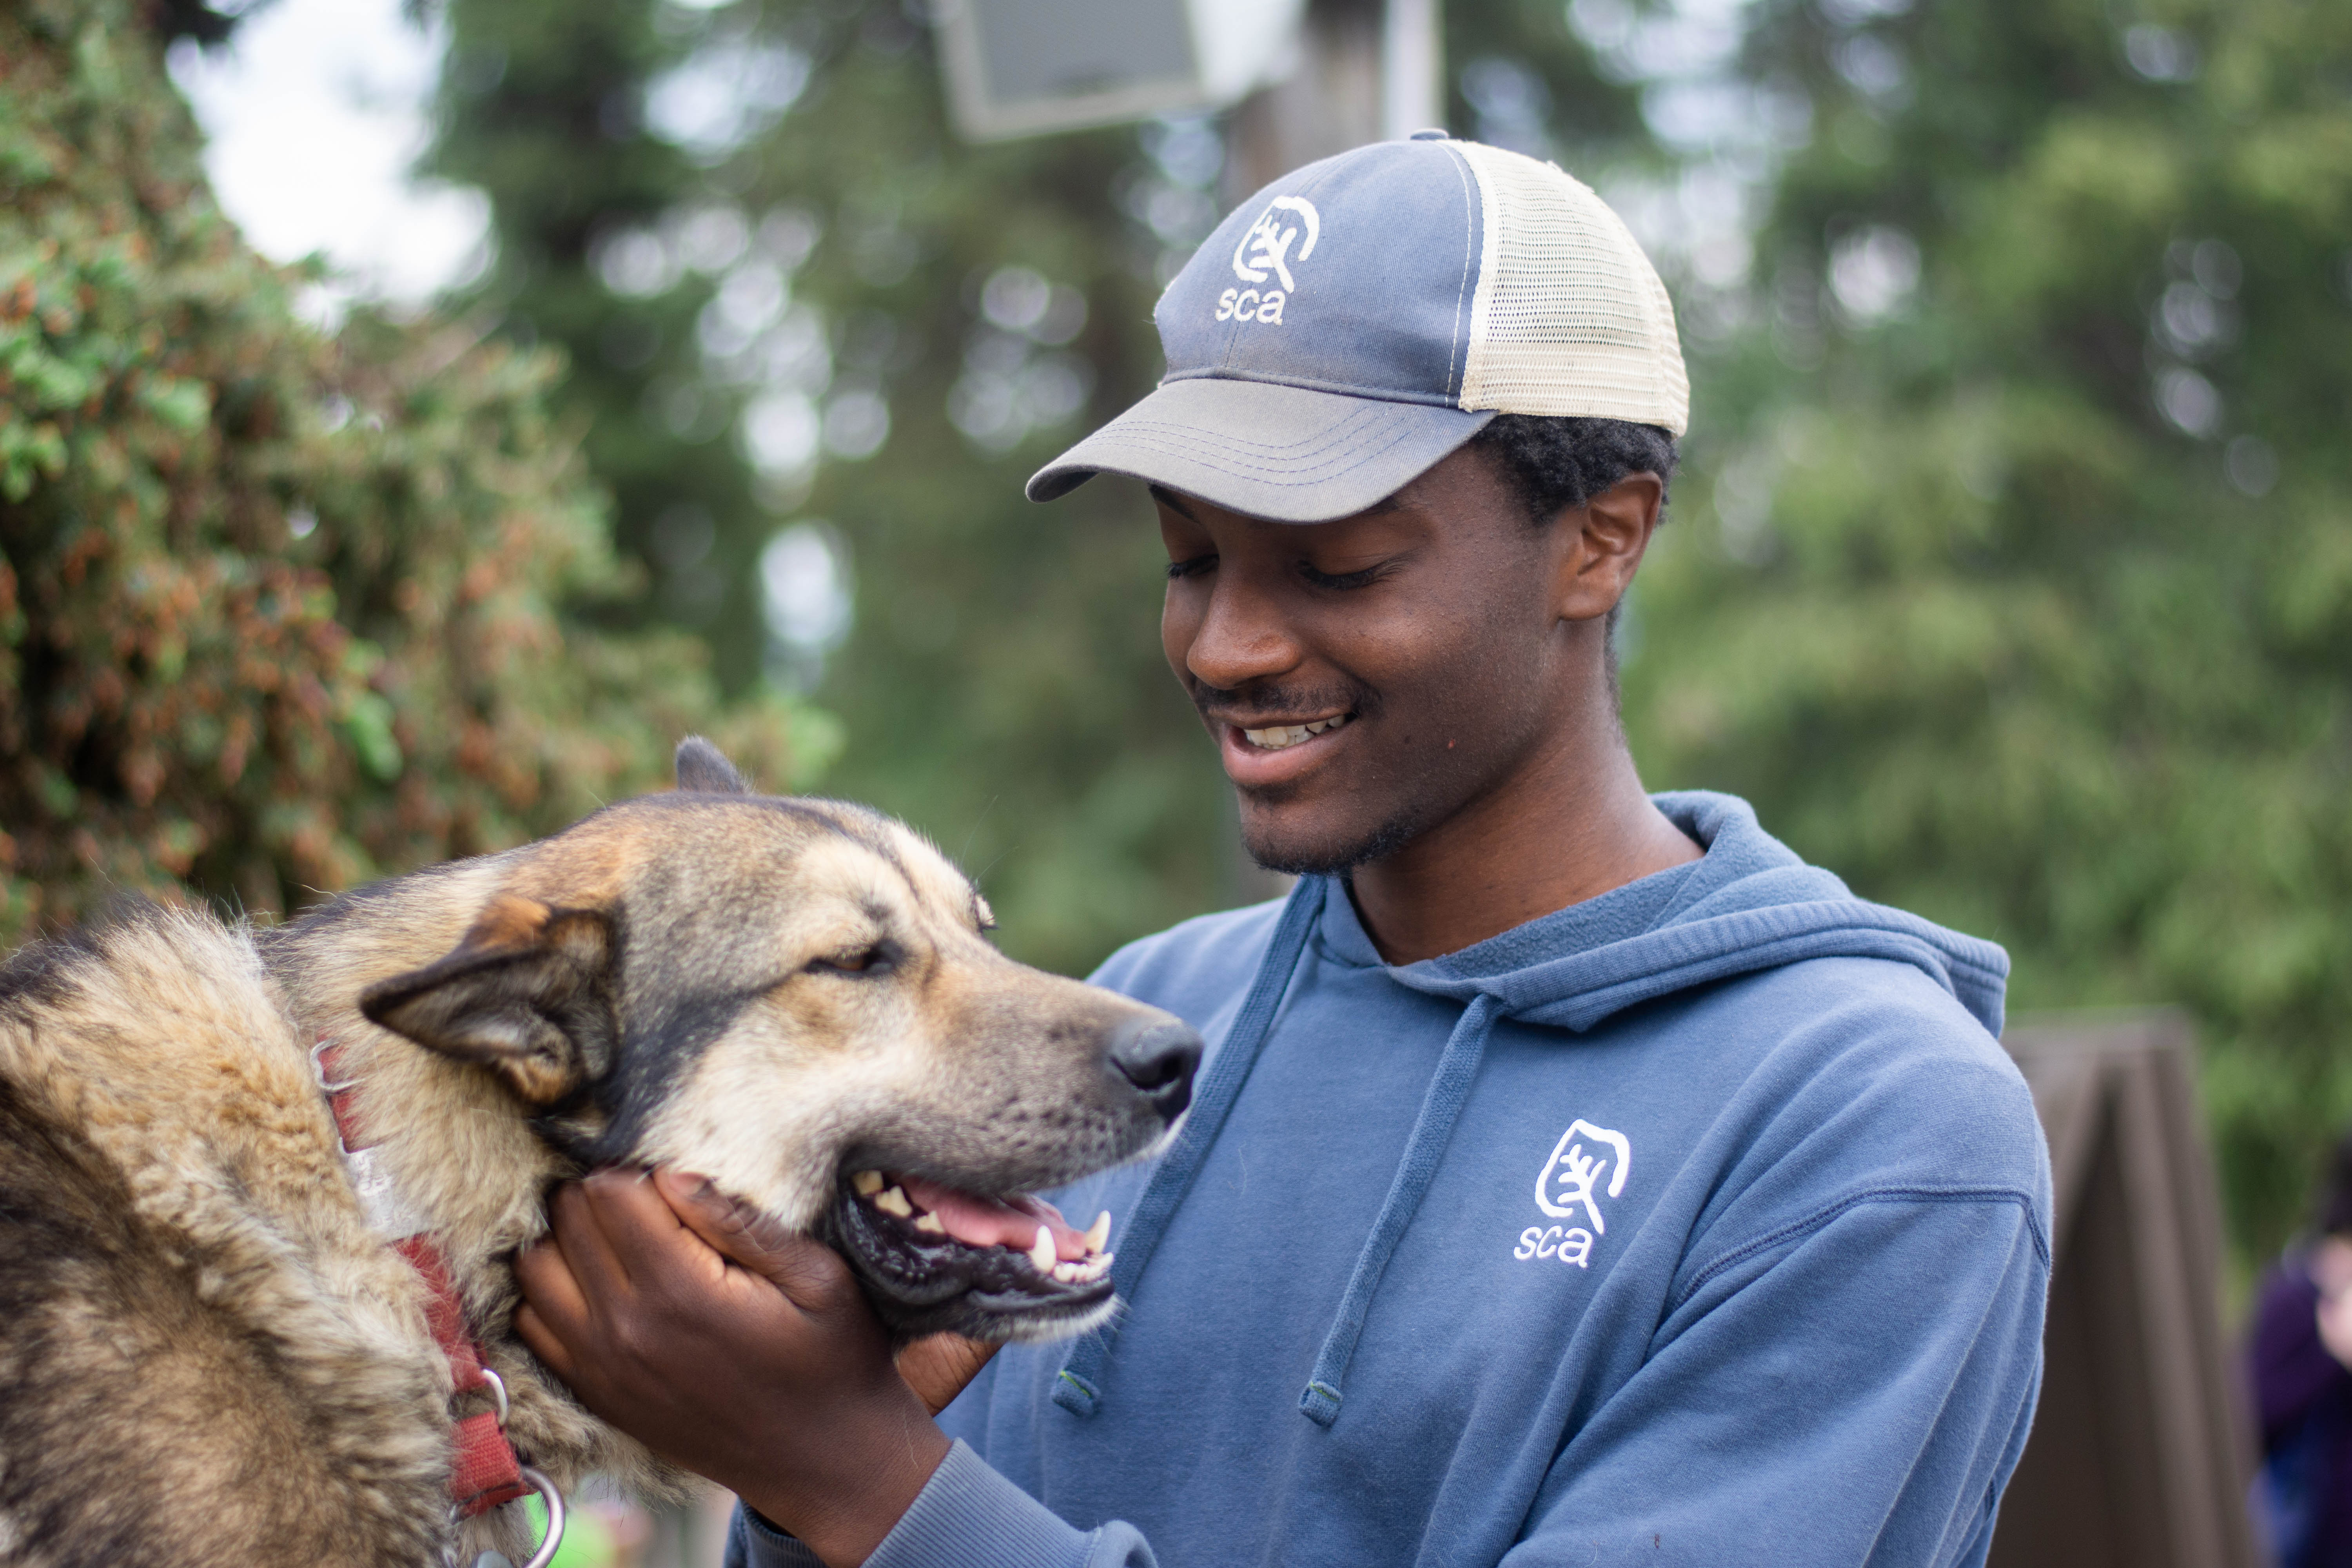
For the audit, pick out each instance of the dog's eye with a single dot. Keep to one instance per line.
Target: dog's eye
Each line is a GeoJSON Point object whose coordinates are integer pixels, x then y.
{"type": "Point", "coordinates": [868, 960]}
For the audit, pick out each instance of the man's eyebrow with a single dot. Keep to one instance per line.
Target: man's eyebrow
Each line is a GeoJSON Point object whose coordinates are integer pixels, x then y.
{"type": "Point", "coordinates": [1173, 502]}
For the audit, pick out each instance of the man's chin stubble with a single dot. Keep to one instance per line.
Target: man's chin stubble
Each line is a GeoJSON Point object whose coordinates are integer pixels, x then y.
{"type": "Point", "coordinates": [1307, 854]}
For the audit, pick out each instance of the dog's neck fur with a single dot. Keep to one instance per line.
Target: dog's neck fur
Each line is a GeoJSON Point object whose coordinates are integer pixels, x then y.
{"type": "Point", "coordinates": [455, 1144]}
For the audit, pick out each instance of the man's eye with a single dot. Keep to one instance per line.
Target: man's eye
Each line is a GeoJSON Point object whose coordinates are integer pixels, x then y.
{"type": "Point", "coordinates": [1191, 568]}
{"type": "Point", "coordinates": [1344, 580]}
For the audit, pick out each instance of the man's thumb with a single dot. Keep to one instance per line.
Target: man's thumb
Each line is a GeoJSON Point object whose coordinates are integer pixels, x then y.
{"type": "Point", "coordinates": [803, 1268]}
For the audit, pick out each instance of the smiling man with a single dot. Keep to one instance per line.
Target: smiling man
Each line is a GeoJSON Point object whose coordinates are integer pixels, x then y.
{"type": "Point", "coordinates": [1575, 1176]}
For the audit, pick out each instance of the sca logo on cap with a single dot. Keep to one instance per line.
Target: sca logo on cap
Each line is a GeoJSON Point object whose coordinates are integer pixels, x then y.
{"type": "Point", "coordinates": [1263, 253]}
{"type": "Point", "coordinates": [1586, 1164]}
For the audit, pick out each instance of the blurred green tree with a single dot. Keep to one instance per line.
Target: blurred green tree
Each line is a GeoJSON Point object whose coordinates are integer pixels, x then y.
{"type": "Point", "coordinates": [278, 610]}
{"type": "Point", "coordinates": [807, 321]}
{"type": "Point", "coordinates": [2014, 573]}
{"type": "Point", "coordinates": [803, 314]}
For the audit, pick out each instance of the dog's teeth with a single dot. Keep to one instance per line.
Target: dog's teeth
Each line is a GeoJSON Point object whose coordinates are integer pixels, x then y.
{"type": "Point", "coordinates": [1068, 1273]}
{"type": "Point", "coordinates": [930, 1223]}
{"type": "Point", "coordinates": [867, 1183]}
{"type": "Point", "coordinates": [1094, 1268]}
{"type": "Point", "coordinates": [1041, 1255]}
{"type": "Point", "coordinates": [895, 1202]}
{"type": "Point", "coordinates": [1098, 1233]}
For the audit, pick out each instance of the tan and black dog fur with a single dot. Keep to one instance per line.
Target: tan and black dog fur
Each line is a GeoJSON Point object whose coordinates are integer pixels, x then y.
{"type": "Point", "coordinates": [209, 1358]}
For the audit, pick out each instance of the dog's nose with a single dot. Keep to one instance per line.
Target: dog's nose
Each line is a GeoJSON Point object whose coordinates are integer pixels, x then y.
{"type": "Point", "coordinates": [1158, 1060]}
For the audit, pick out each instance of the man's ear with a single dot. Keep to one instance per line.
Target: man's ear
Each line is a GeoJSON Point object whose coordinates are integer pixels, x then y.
{"type": "Point", "coordinates": [704, 768]}
{"type": "Point", "coordinates": [528, 994]}
{"type": "Point", "coordinates": [1603, 543]}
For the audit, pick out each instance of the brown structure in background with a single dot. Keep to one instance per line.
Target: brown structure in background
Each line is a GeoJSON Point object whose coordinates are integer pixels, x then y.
{"type": "Point", "coordinates": [2140, 1456]}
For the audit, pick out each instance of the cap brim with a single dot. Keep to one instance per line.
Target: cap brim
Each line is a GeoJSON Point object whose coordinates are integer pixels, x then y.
{"type": "Point", "coordinates": [1287, 454]}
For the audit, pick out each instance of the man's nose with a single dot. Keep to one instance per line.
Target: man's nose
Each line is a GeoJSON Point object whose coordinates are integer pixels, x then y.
{"type": "Point", "coordinates": [1240, 639]}
{"type": "Point", "coordinates": [1158, 1057]}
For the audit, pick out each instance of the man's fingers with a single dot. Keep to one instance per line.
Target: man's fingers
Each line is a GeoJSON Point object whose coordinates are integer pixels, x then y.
{"type": "Point", "coordinates": [937, 1366]}
{"type": "Point", "coordinates": [577, 1227]}
{"type": "Point", "coordinates": [548, 1284]}
{"type": "Point", "coordinates": [543, 1342]}
{"type": "Point", "coordinates": [645, 1237]}
{"type": "Point", "coordinates": [805, 1270]}
{"type": "Point", "coordinates": [554, 1314]}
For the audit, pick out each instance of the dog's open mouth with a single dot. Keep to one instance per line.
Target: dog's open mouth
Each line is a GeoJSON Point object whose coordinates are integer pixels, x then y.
{"type": "Point", "coordinates": [937, 1257]}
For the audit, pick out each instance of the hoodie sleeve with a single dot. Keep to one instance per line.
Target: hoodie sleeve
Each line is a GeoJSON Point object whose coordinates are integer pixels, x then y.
{"type": "Point", "coordinates": [1851, 1388]}
{"type": "Point", "coordinates": [966, 1516]}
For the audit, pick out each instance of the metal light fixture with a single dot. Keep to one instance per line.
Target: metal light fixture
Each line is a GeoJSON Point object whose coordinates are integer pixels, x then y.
{"type": "Point", "coordinates": [1022, 67]}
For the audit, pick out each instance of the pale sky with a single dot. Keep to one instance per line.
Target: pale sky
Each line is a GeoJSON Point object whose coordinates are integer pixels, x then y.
{"type": "Point", "coordinates": [315, 114]}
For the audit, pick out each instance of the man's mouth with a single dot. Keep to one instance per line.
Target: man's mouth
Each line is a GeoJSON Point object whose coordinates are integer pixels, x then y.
{"type": "Point", "coordinates": [1280, 737]}
{"type": "Point", "coordinates": [935, 1256]}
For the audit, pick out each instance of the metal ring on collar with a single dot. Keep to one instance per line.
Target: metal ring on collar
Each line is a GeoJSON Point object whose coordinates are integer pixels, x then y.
{"type": "Point", "coordinates": [537, 1480]}
{"type": "Point", "coordinates": [499, 1387]}
{"type": "Point", "coordinates": [318, 1067]}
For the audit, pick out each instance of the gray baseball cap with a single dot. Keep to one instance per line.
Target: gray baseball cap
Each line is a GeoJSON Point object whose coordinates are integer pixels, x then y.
{"type": "Point", "coordinates": [1360, 318]}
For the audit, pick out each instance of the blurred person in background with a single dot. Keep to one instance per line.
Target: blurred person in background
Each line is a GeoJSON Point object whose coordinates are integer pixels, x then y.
{"type": "Point", "coordinates": [2302, 1390]}
{"type": "Point", "coordinates": [1576, 1174]}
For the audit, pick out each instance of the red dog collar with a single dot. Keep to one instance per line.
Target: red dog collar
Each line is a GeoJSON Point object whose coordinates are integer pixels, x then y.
{"type": "Point", "coordinates": [487, 1472]}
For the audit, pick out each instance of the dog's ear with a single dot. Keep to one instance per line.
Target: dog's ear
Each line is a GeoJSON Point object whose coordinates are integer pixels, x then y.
{"type": "Point", "coordinates": [527, 993]}
{"type": "Point", "coordinates": [704, 768]}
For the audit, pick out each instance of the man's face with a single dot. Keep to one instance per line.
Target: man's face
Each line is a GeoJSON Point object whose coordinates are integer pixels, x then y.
{"type": "Point", "coordinates": [1366, 679]}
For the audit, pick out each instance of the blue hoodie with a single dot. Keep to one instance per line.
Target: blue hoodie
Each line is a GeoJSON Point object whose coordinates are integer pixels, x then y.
{"type": "Point", "coordinates": [1701, 1222]}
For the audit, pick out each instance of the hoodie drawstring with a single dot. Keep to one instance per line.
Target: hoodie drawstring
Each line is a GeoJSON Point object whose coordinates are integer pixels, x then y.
{"type": "Point", "coordinates": [1078, 1389]}
{"type": "Point", "coordinates": [1439, 1110]}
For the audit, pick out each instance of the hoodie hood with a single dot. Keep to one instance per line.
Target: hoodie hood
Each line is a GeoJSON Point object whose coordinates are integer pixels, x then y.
{"type": "Point", "coordinates": [1749, 904]}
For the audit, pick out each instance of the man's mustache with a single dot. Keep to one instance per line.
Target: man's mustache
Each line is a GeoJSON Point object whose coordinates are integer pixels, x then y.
{"type": "Point", "coordinates": [1242, 702]}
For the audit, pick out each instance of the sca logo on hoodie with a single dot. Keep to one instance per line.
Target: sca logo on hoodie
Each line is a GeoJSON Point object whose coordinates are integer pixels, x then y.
{"type": "Point", "coordinates": [1587, 1164]}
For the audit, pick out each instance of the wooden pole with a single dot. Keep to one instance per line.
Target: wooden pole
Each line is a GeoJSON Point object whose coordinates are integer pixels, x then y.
{"type": "Point", "coordinates": [1333, 100]}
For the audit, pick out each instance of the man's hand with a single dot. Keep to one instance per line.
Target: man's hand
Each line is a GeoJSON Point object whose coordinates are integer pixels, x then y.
{"type": "Point", "coordinates": [937, 1366]}
{"type": "Point", "coordinates": [742, 1352]}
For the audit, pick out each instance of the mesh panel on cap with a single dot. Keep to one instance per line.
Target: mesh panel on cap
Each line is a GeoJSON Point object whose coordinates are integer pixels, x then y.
{"type": "Point", "coordinates": [1570, 318]}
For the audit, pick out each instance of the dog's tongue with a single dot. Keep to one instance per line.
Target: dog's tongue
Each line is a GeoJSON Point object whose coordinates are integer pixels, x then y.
{"type": "Point", "coordinates": [996, 1222]}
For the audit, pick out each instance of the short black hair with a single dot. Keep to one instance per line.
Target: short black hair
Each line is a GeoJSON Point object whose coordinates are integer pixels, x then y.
{"type": "Point", "coordinates": [1556, 463]}
{"type": "Point", "coordinates": [1559, 462]}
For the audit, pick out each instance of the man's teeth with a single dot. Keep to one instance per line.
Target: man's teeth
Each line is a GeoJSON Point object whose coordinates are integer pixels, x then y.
{"type": "Point", "coordinates": [1281, 735]}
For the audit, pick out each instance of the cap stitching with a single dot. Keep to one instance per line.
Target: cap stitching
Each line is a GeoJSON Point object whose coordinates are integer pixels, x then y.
{"type": "Point", "coordinates": [1309, 384]}
{"type": "Point", "coordinates": [1263, 473]}
{"type": "Point", "coordinates": [1453, 388]}
{"type": "Point", "coordinates": [1300, 459]}
{"type": "Point", "coordinates": [1354, 419]}
{"type": "Point", "coordinates": [1339, 438]}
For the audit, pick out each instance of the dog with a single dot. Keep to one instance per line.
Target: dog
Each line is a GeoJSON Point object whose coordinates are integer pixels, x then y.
{"type": "Point", "coordinates": [261, 1190]}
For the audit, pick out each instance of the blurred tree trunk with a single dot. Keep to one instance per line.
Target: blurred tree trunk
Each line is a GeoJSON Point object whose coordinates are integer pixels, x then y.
{"type": "Point", "coordinates": [1331, 102]}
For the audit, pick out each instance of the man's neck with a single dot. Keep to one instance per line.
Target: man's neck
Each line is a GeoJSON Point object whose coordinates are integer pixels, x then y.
{"type": "Point", "coordinates": [1571, 827]}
